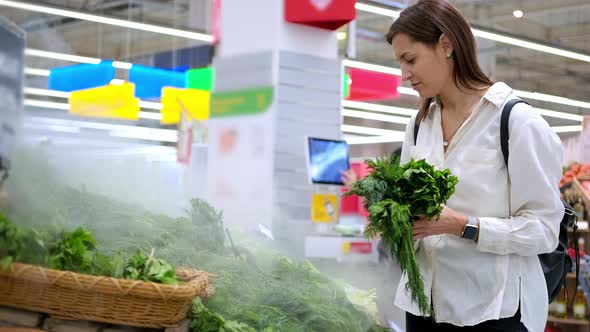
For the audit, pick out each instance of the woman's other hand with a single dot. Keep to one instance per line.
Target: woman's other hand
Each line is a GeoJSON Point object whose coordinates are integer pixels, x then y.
{"type": "Point", "coordinates": [349, 177]}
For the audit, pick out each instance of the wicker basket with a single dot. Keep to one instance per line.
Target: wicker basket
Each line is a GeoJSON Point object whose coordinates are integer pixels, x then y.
{"type": "Point", "coordinates": [188, 274]}
{"type": "Point", "coordinates": [71, 295]}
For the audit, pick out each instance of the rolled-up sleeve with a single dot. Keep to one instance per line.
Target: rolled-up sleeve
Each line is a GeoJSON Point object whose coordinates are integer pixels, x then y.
{"type": "Point", "coordinates": [535, 159]}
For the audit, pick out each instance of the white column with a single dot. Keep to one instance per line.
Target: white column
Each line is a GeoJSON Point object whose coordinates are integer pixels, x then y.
{"type": "Point", "coordinates": [259, 25]}
{"type": "Point", "coordinates": [262, 177]}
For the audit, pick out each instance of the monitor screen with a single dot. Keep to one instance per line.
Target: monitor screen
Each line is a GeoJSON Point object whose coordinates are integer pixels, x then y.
{"type": "Point", "coordinates": [327, 158]}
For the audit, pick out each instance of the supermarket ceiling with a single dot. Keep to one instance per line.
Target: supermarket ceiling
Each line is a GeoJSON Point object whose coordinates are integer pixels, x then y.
{"type": "Point", "coordinates": [563, 23]}
{"type": "Point", "coordinates": [559, 23]}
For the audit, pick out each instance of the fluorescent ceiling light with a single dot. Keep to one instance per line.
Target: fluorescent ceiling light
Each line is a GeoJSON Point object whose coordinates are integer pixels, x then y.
{"type": "Point", "coordinates": [520, 93]}
{"type": "Point", "coordinates": [377, 10]}
{"type": "Point", "coordinates": [46, 92]}
{"type": "Point", "coordinates": [552, 99]}
{"type": "Point", "coordinates": [163, 135]}
{"type": "Point", "coordinates": [107, 20]}
{"type": "Point", "coordinates": [62, 94]}
{"type": "Point", "coordinates": [538, 96]}
{"type": "Point", "coordinates": [492, 36]}
{"type": "Point", "coordinates": [138, 151]}
{"type": "Point", "coordinates": [379, 108]}
{"type": "Point", "coordinates": [122, 65]}
{"type": "Point", "coordinates": [518, 13]}
{"type": "Point", "coordinates": [371, 67]}
{"type": "Point", "coordinates": [66, 107]}
{"type": "Point", "coordinates": [69, 57]}
{"type": "Point", "coordinates": [37, 72]}
{"type": "Point", "coordinates": [375, 116]}
{"type": "Point", "coordinates": [346, 135]}
{"type": "Point", "coordinates": [155, 134]}
{"type": "Point", "coordinates": [566, 129]}
{"type": "Point", "coordinates": [399, 136]}
{"type": "Point", "coordinates": [374, 139]}
{"type": "Point", "coordinates": [61, 56]}
{"type": "Point", "coordinates": [150, 115]}
{"type": "Point", "coordinates": [117, 81]}
{"type": "Point", "coordinates": [559, 115]}
{"type": "Point", "coordinates": [407, 91]}
{"type": "Point", "coordinates": [408, 111]}
{"type": "Point", "coordinates": [46, 104]}
{"type": "Point", "coordinates": [530, 45]}
{"type": "Point", "coordinates": [150, 105]}
{"type": "Point", "coordinates": [370, 131]}
{"type": "Point", "coordinates": [64, 129]}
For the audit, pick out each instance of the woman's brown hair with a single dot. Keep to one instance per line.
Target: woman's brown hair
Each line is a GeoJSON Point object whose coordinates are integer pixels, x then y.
{"type": "Point", "coordinates": [425, 22]}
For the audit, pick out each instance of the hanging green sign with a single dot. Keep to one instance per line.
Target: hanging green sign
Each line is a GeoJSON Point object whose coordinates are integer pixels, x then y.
{"type": "Point", "coordinates": [241, 102]}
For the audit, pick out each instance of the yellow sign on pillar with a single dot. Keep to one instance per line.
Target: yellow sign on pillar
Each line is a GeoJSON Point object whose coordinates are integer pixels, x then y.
{"type": "Point", "coordinates": [194, 102]}
{"type": "Point", "coordinates": [324, 208]}
{"type": "Point", "coordinates": [111, 101]}
{"type": "Point", "coordinates": [346, 247]}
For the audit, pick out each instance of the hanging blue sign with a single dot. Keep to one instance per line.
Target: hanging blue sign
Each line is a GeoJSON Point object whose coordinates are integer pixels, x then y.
{"type": "Point", "coordinates": [81, 76]}
{"type": "Point", "coordinates": [149, 81]}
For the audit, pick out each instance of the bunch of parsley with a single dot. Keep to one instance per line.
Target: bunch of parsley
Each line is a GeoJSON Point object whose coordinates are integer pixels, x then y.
{"type": "Point", "coordinates": [148, 268]}
{"type": "Point", "coordinates": [395, 195]}
{"type": "Point", "coordinates": [18, 244]}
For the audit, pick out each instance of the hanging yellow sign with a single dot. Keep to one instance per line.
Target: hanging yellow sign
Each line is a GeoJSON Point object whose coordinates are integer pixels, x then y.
{"type": "Point", "coordinates": [324, 208]}
{"type": "Point", "coordinates": [194, 102]}
{"type": "Point", "coordinates": [111, 101]}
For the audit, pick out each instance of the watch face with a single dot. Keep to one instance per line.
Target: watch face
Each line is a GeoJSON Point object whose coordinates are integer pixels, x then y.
{"type": "Point", "coordinates": [470, 232]}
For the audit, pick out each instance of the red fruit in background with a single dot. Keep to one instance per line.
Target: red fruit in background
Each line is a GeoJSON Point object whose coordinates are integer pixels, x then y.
{"type": "Point", "coordinates": [575, 167]}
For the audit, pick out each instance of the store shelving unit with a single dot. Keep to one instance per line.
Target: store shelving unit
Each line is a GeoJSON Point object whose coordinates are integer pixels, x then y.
{"type": "Point", "coordinates": [570, 324]}
{"type": "Point", "coordinates": [569, 321]}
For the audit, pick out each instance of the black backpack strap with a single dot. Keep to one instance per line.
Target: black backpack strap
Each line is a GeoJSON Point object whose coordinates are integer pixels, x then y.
{"type": "Point", "coordinates": [577, 251]}
{"type": "Point", "coordinates": [504, 136]}
{"type": "Point", "coordinates": [416, 128]}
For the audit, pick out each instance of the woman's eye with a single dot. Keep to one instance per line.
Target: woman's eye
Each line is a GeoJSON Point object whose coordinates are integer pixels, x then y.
{"type": "Point", "coordinates": [411, 61]}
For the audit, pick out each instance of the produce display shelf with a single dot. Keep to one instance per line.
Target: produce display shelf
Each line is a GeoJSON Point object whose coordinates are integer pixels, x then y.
{"type": "Point", "coordinates": [580, 230]}
{"type": "Point", "coordinates": [570, 321]}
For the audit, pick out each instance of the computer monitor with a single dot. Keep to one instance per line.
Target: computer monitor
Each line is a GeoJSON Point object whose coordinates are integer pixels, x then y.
{"type": "Point", "coordinates": [326, 158]}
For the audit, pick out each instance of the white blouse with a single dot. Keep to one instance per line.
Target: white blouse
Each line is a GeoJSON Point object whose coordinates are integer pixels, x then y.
{"type": "Point", "coordinates": [473, 282]}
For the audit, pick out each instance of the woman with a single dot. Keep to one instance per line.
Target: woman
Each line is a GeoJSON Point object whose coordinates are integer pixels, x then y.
{"type": "Point", "coordinates": [491, 278]}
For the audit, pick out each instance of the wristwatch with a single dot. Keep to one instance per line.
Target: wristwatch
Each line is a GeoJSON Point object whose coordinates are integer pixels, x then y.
{"type": "Point", "coordinates": [470, 230]}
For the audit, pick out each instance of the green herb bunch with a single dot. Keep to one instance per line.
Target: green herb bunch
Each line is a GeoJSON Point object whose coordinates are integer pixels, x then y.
{"type": "Point", "coordinates": [206, 320]}
{"type": "Point", "coordinates": [394, 195]}
{"type": "Point", "coordinates": [148, 268]}
{"type": "Point", "coordinates": [73, 251]}
{"type": "Point", "coordinates": [18, 244]}
{"type": "Point", "coordinates": [76, 251]}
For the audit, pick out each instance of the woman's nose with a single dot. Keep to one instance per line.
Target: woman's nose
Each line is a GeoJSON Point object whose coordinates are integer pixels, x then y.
{"type": "Point", "coordinates": [406, 75]}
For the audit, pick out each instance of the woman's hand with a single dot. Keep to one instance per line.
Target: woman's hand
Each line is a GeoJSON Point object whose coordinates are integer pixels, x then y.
{"type": "Point", "coordinates": [349, 177]}
{"type": "Point", "coordinates": [450, 222]}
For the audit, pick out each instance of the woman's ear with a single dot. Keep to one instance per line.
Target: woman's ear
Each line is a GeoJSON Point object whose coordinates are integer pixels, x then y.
{"type": "Point", "coordinates": [445, 46]}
